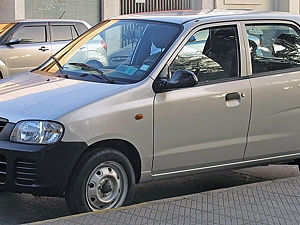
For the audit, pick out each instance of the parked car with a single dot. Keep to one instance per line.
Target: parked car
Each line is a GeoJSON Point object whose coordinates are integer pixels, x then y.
{"type": "Point", "coordinates": [198, 92]}
{"type": "Point", "coordinates": [25, 44]}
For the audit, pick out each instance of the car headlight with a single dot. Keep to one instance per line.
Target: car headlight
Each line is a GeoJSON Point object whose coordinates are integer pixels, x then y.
{"type": "Point", "coordinates": [37, 132]}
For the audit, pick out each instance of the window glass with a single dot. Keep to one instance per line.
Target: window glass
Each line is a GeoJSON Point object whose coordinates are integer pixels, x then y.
{"type": "Point", "coordinates": [32, 34]}
{"type": "Point", "coordinates": [62, 33]}
{"type": "Point", "coordinates": [211, 54]}
{"type": "Point", "coordinates": [273, 47]}
{"type": "Point", "coordinates": [116, 51]}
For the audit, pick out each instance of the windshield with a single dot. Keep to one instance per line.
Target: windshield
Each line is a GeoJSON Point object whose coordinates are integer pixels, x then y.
{"type": "Point", "coordinates": [116, 51]}
{"type": "Point", "coordinates": [4, 27]}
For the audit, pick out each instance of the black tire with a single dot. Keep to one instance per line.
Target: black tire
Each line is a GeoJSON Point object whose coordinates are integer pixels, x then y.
{"type": "Point", "coordinates": [104, 179]}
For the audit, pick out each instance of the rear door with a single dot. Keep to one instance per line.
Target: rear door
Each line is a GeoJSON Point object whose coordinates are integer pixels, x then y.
{"type": "Point", "coordinates": [275, 58]}
{"type": "Point", "coordinates": [33, 50]}
{"type": "Point", "coordinates": [204, 126]}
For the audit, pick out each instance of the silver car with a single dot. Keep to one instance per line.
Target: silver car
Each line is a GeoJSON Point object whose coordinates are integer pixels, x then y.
{"type": "Point", "coordinates": [195, 92]}
{"type": "Point", "coordinates": [25, 44]}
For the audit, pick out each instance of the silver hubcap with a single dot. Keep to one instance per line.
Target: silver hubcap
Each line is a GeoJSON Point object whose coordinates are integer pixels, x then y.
{"type": "Point", "coordinates": [107, 186]}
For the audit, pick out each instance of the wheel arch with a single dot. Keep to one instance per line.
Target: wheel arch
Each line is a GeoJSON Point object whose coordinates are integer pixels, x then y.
{"type": "Point", "coordinates": [122, 146]}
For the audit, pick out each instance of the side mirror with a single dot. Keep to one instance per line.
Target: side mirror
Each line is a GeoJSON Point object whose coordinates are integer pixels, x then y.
{"type": "Point", "coordinates": [192, 39]}
{"type": "Point", "coordinates": [14, 41]}
{"type": "Point", "coordinates": [180, 79]}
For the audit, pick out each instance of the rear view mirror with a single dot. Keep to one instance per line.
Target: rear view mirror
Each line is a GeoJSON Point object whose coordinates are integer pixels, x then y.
{"type": "Point", "coordinates": [180, 79]}
{"type": "Point", "coordinates": [13, 41]}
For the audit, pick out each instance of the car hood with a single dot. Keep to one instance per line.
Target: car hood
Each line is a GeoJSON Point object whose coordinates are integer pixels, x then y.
{"type": "Point", "coordinates": [33, 96]}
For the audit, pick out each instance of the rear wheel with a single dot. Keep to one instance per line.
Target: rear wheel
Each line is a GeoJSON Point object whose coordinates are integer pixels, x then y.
{"type": "Point", "coordinates": [103, 180]}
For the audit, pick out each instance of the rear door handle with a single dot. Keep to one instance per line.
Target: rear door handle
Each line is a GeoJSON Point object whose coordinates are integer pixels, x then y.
{"type": "Point", "coordinates": [43, 49]}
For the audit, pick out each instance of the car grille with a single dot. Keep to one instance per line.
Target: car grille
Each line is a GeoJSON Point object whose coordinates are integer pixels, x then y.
{"type": "Point", "coordinates": [3, 164]}
{"type": "Point", "coordinates": [3, 122]}
{"type": "Point", "coordinates": [26, 172]}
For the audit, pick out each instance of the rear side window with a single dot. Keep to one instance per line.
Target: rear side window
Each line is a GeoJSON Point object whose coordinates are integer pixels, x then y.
{"type": "Point", "coordinates": [63, 33]}
{"type": "Point", "coordinates": [31, 34]}
{"type": "Point", "coordinates": [273, 47]}
{"type": "Point", "coordinates": [80, 27]}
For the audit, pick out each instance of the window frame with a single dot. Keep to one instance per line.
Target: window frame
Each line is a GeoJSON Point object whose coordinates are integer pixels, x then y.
{"type": "Point", "coordinates": [72, 26]}
{"type": "Point", "coordinates": [242, 73]}
{"type": "Point", "coordinates": [25, 25]}
{"type": "Point", "coordinates": [268, 22]}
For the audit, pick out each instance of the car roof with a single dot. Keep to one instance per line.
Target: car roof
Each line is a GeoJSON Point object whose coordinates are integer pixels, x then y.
{"type": "Point", "coordinates": [183, 16]}
{"type": "Point", "coordinates": [42, 20]}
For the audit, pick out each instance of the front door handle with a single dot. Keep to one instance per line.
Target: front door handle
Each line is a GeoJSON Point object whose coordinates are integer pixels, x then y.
{"type": "Point", "coordinates": [233, 96]}
{"type": "Point", "coordinates": [233, 99]}
{"type": "Point", "coordinates": [43, 49]}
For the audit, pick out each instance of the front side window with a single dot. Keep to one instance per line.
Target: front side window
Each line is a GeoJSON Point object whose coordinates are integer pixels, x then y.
{"type": "Point", "coordinates": [31, 34]}
{"type": "Point", "coordinates": [117, 51]}
{"type": "Point", "coordinates": [211, 54]}
{"type": "Point", "coordinates": [273, 47]}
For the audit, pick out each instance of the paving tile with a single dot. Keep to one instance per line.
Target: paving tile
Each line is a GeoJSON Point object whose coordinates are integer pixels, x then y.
{"type": "Point", "coordinates": [265, 203]}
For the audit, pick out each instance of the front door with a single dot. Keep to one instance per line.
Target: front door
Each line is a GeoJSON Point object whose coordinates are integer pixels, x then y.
{"type": "Point", "coordinates": [31, 52]}
{"type": "Point", "coordinates": [205, 125]}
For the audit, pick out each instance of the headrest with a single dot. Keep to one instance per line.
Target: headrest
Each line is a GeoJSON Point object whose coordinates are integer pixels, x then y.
{"type": "Point", "coordinates": [161, 36]}
{"type": "Point", "coordinates": [287, 40]}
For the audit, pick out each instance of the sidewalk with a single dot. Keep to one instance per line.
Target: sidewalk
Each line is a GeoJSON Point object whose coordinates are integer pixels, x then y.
{"type": "Point", "coordinates": [270, 202]}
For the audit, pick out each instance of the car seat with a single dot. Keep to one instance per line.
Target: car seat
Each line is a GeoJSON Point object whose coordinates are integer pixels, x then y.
{"type": "Point", "coordinates": [221, 46]}
{"type": "Point", "coordinates": [289, 42]}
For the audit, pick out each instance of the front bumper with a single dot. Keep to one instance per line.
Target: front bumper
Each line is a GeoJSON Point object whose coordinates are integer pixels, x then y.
{"type": "Point", "coordinates": [37, 169]}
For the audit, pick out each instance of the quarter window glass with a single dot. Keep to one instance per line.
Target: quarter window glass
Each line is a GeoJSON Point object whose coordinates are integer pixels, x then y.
{"type": "Point", "coordinates": [32, 34]}
{"type": "Point", "coordinates": [63, 33]}
{"type": "Point", "coordinates": [211, 54]}
{"type": "Point", "coordinates": [273, 47]}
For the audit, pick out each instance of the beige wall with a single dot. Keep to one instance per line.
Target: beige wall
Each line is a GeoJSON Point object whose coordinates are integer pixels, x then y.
{"type": "Point", "coordinates": [291, 6]}
{"type": "Point", "coordinates": [15, 9]}
{"type": "Point", "coordinates": [269, 5]}
{"type": "Point", "coordinates": [111, 8]}
{"type": "Point", "coordinates": [247, 4]}
{"type": "Point", "coordinates": [12, 9]}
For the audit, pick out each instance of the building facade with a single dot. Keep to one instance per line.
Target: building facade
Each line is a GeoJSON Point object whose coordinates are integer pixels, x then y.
{"type": "Point", "coordinates": [93, 11]}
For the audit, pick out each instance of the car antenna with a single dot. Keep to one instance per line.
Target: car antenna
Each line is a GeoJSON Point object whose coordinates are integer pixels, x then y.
{"type": "Point", "coordinates": [62, 14]}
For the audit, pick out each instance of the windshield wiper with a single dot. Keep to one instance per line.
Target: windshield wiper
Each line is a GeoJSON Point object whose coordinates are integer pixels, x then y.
{"type": "Point", "coordinates": [61, 69]}
{"type": "Point", "coordinates": [89, 68]}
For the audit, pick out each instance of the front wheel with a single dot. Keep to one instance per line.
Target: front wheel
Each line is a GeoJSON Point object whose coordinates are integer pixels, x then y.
{"type": "Point", "coordinates": [103, 180]}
